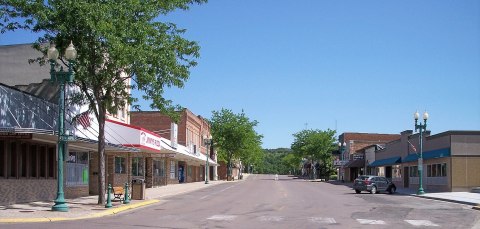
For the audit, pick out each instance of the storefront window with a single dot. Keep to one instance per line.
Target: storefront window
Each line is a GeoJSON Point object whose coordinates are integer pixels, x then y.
{"type": "Point", "coordinates": [413, 171]}
{"type": "Point", "coordinates": [396, 171]}
{"type": "Point", "coordinates": [159, 168]}
{"type": "Point", "coordinates": [137, 166]}
{"type": "Point", "coordinates": [437, 170]}
{"type": "Point", "coordinates": [77, 168]}
{"type": "Point", "coordinates": [173, 169]}
{"type": "Point", "coordinates": [120, 165]}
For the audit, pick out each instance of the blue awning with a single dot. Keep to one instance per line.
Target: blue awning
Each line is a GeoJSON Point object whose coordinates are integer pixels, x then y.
{"type": "Point", "coordinates": [386, 161]}
{"type": "Point", "coordinates": [439, 153]}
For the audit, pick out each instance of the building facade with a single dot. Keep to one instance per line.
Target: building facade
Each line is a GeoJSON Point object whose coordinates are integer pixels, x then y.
{"type": "Point", "coordinates": [451, 161]}
{"type": "Point", "coordinates": [192, 130]}
{"type": "Point", "coordinates": [28, 141]}
{"type": "Point", "coordinates": [354, 164]}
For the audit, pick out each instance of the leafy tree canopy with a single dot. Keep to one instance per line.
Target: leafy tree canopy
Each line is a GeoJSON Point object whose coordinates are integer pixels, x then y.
{"type": "Point", "coordinates": [235, 138]}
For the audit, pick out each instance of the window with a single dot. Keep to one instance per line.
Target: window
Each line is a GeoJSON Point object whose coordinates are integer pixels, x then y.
{"type": "Point", "coordinates": [159, 168]}
{"type": "Point", "coordinates": [27, 160]}
{"type": "Point", "coordinates": [413, 171]}
{"type": "Point", "coordinates": [437, 170]}
{"type": "Point", "coordinates": [51, 162]}
{"type": "Point", "coordinates": [43, 161]}
{"type": "Point", "coordinates": [32, 161]}
{"type": "Point", "coordinates": [77, 169]}
{"type": "Point", "coordinates": [12, 156]}
{"type": "Point", "coordinates": [23, 160]}
{"type": "Point", "coordinates": [396, 171]}
{"type": "Point", "coordinates": [189, 171]}
{"type": "Point", "coordinates": [444, 169]}
{"type": "Point", "coordinates": [120, 165]}
{"type": "Point", "coordinates": [137, 166]}
{"type": "Point", "coordinates": [173, 170]}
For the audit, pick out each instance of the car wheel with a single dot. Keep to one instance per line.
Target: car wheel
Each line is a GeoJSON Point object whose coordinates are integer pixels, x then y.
{"type": "Point", "coordinates": [374, 190]}
{"type": "Point", "coordinates": [357, 191]}
{"type": "Point", "coordinates": [392, 190]}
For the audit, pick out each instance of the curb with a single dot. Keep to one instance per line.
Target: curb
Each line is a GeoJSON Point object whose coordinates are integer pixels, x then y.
{"type": "Point", "coordinates": [111, 211]}
{"type": "Point", "coordinates": [447, 200]}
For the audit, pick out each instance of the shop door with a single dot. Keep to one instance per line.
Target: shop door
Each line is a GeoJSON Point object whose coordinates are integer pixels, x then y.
{"type": "Point", "coordinates": [406, 177]}
{"type": "Point", "coordinates": [181, 173]}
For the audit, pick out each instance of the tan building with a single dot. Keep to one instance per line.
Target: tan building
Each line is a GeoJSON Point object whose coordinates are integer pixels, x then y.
{"type": "Point", "coordinates": [451, 161]}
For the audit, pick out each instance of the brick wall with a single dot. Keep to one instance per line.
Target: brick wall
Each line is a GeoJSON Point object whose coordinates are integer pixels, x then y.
{"type": "Point", "coordinates": [24, 190]}
{"type": "Point", "coordinates": [74, 192]}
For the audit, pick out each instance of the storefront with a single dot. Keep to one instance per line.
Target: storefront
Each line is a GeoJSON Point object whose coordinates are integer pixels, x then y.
{"type": "Point", "coordinates": [158, 161]}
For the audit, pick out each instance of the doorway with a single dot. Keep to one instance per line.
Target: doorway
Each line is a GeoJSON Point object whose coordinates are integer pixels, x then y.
{"type": "Point", "coordinates": [181, 173]}
{"type": "Point", "coordinates": [406, 177]}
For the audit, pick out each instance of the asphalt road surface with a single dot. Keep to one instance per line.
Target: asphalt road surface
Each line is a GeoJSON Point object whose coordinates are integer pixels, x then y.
{"type": "Point", "coordinates": [262, 202]}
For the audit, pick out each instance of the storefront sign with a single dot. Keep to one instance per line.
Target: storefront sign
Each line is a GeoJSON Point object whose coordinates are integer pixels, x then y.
{"type": "Point", "coordinates": [174, 135]}
{"type": "Point", "coordinates": [15, 135]}
{"type": "Point", "coordinates": [150, 140]}
{"type": "Point", "coordinates": [169, 155]}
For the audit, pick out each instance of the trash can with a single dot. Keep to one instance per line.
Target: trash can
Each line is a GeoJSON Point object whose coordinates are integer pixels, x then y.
{"type": "Point", "coordinates": [138, 189]}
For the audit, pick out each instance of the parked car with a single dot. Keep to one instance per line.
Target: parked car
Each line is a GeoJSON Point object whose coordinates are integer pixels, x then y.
{"type": "Point", "coordinates": [373, 184]}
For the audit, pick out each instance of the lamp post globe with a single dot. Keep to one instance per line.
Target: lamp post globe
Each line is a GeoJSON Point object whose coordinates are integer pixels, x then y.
{"type": "Point", "coordinates": [70, 52]}
{"type": "Point", "coordinates": [425, 116]}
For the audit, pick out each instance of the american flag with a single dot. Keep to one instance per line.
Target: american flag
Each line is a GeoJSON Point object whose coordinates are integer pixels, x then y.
{"type": "Point", "coordinates": [84, 119]}
{"type": "Point", "coordinates": [413, 147]}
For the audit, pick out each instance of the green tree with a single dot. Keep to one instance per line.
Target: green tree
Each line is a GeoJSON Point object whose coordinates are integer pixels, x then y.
{"type": "Point", "coordinates": [316, 146]}
{"type": "Point", "coordinates": [235, 138]}
{"type": "Point", "coordinates": [117, 41]}
{"type": "Point", "coordinates": [292, 162]}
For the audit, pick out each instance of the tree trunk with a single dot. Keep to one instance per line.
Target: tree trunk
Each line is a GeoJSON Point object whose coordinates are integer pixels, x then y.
{"type": "Point", "coordinates": [229, 168]}
{"type": "Point", "coordinates": [101, 155]}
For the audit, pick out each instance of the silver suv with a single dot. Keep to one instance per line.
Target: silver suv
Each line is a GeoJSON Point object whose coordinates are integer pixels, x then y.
{"type": "Point", "coordinates": [373, 184]}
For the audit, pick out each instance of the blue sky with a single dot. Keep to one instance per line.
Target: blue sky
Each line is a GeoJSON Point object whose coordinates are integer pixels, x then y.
{"type": "Point", "coordinates": [354, 66]}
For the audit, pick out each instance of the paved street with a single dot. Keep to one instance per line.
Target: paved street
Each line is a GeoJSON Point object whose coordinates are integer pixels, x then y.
{"type": "Point", "coordinates": [261, 202]}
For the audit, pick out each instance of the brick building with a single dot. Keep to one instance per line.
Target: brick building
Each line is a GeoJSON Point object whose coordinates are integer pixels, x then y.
{"type": "Point", "coordinates": [355, 142]}
{"type": "Point", "coordinates": [192, 129]}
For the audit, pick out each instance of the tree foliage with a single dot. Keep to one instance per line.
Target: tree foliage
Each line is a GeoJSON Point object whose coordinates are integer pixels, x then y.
{"type": "Point", "coordinates": [316, 146]}
{"type": "Point", "coordinates": [235, 138]}
{"type": "Point", "coordinates": [277, 161]}
{"type": "Point", "coordinates": [117, 41]}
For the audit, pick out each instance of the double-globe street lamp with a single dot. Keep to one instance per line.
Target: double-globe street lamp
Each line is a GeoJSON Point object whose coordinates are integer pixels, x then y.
{"type": "Point", "coordinates": [61, 76]}
{"type": "Point", "coordinates": [421, 128]}
{"type": "Point", "coordinates": [342, 157]}
{"type": "Point", "coordinates": [208, 142]}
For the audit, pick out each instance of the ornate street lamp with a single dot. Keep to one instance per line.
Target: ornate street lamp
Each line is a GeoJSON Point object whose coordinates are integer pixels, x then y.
{"type": "Point", "coordinates": [421, 128]}
{"type": "Point", "coordinates": [61, 77]}
{"type": "Point", "coordinates": [208, 142]}
{"type": "Point", "coordinates": [342, 157]}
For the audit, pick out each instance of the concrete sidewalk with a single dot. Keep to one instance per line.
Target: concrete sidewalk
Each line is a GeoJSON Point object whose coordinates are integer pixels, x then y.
{"type": "Point", "coordinates": [468, 198]}
{"type": "Point", "coordinates": [86, 207]}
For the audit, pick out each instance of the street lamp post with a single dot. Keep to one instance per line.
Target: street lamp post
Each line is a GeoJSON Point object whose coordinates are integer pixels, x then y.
{"type": "Point", "coordinates": [61, 77]}
{"type": "Point", "coordinates": [208, 142]}
{"type": "Point", "coordinates": [421, 128]}
{"type": "Point", "coordinates": [342, 157]}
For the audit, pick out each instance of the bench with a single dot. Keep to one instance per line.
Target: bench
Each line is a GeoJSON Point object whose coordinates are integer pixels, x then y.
{"type": "Point", "coordinates": [118, 193]}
